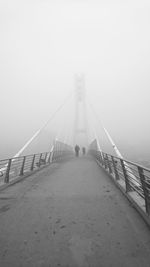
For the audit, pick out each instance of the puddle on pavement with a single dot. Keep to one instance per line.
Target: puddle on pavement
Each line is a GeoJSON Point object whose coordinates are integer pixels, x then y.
{"type": "Point", "coordinates": [80, 248]}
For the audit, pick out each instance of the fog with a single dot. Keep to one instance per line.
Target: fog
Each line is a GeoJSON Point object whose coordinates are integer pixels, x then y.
{"type": "Point", "coordinates": [43, 44]}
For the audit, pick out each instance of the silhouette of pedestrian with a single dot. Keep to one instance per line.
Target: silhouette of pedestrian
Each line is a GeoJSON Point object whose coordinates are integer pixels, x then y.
{"type": "Point", "coordinates": [83, 150]}
{"type": "Point", "coordinates": [77, 148]}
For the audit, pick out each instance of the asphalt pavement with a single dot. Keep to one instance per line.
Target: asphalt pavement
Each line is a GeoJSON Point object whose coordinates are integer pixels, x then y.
{"type": "Point", "coordinates": [70, 214]}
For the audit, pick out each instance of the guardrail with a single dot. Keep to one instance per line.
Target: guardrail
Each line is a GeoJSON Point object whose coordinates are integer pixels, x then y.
{"type": "Point", "coordinates": [12, 168]}
{"type": "Point", "coordinates": [134, 178]}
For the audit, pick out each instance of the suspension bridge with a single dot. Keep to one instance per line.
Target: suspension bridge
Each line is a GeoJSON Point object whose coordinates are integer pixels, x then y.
{"type": "Point", "coordinates": [60, 210]}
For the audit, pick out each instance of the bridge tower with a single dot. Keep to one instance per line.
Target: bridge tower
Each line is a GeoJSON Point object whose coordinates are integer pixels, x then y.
{"type": "Point", "coordinates": [80, 121]}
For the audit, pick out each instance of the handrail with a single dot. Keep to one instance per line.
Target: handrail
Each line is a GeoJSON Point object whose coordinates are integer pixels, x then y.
{"type": "Point", "coordinates": [23, 156]}
{"type": "Point", "coordinates": [11, 168]}
{"type": "Point", "coordinates": [131, 162]}
{"type": "Point", "coordinates": [133, 177]}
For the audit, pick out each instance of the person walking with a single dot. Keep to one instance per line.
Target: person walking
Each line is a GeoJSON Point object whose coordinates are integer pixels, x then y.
{"type": "Point", "coordinates": [77, 149]}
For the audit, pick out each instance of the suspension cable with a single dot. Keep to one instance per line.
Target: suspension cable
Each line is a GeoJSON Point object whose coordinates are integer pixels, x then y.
{"type": "Point", "coordinates": [42, 128]}
{"type": "Point", "coordinates": [95, 134]}
{"type": "Point", "coordinates": [118, 153]}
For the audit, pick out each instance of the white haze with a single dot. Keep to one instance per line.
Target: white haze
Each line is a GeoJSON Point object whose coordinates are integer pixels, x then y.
{"type": "Point", "coordinates": [44, 43]}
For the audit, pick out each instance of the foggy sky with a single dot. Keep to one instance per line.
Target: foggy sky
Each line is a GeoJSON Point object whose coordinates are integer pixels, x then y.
{"type": "Point", "coordinates": [44, 43]}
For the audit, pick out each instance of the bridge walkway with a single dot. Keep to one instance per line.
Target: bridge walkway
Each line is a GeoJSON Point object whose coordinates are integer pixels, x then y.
{"type": "Point", "coordinates": [70, 214]}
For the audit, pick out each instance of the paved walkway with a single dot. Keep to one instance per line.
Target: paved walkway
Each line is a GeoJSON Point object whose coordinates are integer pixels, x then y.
{"type": "Point", "coordinates": [70, 214]}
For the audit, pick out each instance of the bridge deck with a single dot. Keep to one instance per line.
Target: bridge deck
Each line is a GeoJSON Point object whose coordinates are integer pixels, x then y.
{"type": "Point", "coordinates": [70, 214]}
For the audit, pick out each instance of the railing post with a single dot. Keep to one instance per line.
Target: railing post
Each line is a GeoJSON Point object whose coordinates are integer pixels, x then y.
{"type": "Point", "coordinates": [40, 160]}
{"type": "Point", "coordinates": [105, 161]}
{"type": "Point", "coordinates": [128, 187]}
{"type": "Point", "coordinates": [145, 189]}
{"type": "Point", "coordinates": [32, 164]}
{"type": "Point", "coordinates": [45, 157]}
{"type": "Point", "coordinates": [95, 155]}
{"type": "Point", "coordinates": [49, 158]}
{"type": "Point", "coordinates": [102, 158]}
{"type": "Point", "coordinates": [22, 167]}
{"type": "Point", "coordinates": [54, 155]}
{"type": "Point", "coordinates": [115, 168]}
{"type": "Point", "coordinates": [99, 156]}
{"type": "Point", "coordinates": [7, 172]}
{"type": "Point", "coordinates": [108, 164]}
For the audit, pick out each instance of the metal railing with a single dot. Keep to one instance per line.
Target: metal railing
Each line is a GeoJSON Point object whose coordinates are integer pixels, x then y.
{"type": "Point", "coordinates": [134, 177]}
{"type": "Point", "coordinates": [13, 168]}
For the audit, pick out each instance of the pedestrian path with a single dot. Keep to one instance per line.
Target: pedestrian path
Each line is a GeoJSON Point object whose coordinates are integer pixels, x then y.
{"type": "Point", "coordinates": [71, 214]}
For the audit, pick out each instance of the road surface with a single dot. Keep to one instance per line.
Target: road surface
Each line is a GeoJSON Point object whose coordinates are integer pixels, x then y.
{"type": "Point", "coordinates": [70, 214]}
